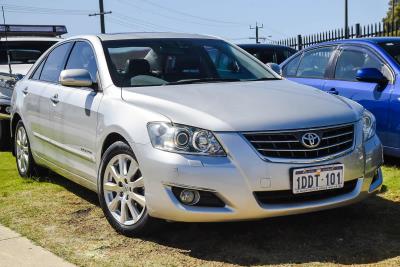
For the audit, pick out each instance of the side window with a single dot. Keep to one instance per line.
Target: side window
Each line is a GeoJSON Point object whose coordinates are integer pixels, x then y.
{"type": "Point", "coordinates": [55, 63]}
{"type": "Point", "coordinates": [38, 71]}
{"type": "Point", "coordinates": [314, 63]}
{"type": "Point", "coordinates": [290, 69]}
{"type": "Point", "coordinates": [350, 61]}
{"type": "Point", "coordinates": [82, 57]}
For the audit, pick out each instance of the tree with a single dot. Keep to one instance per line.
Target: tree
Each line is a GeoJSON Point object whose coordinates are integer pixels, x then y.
{"type": "Point", "coordinates": [389, 16]}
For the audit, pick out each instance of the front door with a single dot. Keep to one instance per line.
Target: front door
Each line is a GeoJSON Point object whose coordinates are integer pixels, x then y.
{"type": "Point", "coordinates": [312, 68]}
{"type": "Point", "coordinates": [37, 101]}
{"type": "Point", "coordinates": [370, 95]}
{"type": "Point", "coordinates": [75, 114]}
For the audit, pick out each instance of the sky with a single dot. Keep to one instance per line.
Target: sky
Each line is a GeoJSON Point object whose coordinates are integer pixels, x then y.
{"type": "Point", "coordinates": [229, 19]}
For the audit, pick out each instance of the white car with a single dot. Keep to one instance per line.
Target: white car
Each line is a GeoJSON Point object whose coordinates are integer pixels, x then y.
{"type": "Point", "coordinates": [189, 128]}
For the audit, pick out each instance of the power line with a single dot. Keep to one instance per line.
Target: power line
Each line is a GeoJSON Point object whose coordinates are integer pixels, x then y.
{"type": "Point", "coordinates": [134, 24]}
{"type": "Point", "coordinates": [126, 24]}
{"type": "Point", "coordinates": [174, 18]}
{"type": "Point", "coordinates": [140, 21]}
{"type": "Point", "coordinates": [42, 10]}
{"type": "Point", "coordinates": [190, 15]}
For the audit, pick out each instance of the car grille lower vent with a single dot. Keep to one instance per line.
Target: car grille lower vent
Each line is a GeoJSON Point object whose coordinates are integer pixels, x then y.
{"type": "Point", "coordinates": [287, 197]}
{"type": "Point", "coordinates": [291, 145]}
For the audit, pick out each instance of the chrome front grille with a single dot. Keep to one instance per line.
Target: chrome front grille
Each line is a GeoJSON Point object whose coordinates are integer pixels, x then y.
{"type": "Point", "coordinates": [288, 144]}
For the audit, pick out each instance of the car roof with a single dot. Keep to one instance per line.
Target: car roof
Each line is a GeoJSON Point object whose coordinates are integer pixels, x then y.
{"type": "Point", "coordinates": [31, 39]}
{"type": "Point", "coordinates": [264, 46]}
{"type": "Point", "coordinates": [151, 35]}
{"type": "Point", "coordinates": [370, 40]}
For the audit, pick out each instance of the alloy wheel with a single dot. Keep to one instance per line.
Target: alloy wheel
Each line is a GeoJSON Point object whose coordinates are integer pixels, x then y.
{"type": "Point", "coordinates": [22, 150]}
{"type": "Point", "coordinates": [123, 187]}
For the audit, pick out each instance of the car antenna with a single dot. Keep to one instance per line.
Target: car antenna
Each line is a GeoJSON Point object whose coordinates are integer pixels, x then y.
{"type": "Point", "coordinates": [5, 34]}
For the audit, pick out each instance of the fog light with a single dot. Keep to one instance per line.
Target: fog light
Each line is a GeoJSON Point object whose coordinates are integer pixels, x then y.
{"type": "Point", "coordinates": [189, 197]}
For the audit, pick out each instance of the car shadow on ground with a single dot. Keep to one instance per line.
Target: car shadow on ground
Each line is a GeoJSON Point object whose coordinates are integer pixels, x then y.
{"type": "Point", "coordinates": [367, 232]}
{"type": "Point", "coordinates": [392, 162]}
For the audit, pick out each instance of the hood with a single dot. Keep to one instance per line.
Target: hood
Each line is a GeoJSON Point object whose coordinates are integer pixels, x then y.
{"type": "Point", "coordinates": [245, 106]}
{"type": "Point", "coordinates": [16, 68]}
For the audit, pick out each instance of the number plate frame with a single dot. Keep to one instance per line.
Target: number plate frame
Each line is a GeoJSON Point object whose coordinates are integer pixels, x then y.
{"type": "Point", "coordinates": [314, 170]}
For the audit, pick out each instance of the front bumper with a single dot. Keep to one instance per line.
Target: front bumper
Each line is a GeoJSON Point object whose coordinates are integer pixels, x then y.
{"type": "Point", "coordinates": [235, 178]}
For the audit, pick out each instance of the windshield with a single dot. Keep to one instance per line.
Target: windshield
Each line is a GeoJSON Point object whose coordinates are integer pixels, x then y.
{"type": "Point", "coordinates": [23, 52]}
{"type": "Point", "coordinates": [393, 49]}
{"type": "Point", "coordinates": [179, 61]}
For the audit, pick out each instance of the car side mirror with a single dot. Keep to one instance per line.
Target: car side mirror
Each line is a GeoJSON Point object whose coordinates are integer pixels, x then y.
{"type": "Point", "coordinates": [76, 78]}
{"type": "Point", "coordinates": [372, 75]}
{"type": "Point", "coordinates": [275, 67]}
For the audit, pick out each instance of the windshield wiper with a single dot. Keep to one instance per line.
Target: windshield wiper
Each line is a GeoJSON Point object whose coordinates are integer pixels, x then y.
{"type": "Point", "coordinates": [204, 80]}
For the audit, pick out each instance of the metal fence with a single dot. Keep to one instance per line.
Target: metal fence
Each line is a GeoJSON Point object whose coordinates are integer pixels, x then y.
{"type": "Point", "coordinates": [356, 31]}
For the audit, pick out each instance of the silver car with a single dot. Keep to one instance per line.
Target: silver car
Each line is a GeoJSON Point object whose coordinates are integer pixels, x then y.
{"type": "Point", "coordinates": [189, 128]}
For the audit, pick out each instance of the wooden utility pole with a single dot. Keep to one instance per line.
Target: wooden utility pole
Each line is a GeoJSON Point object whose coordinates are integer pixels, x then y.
{"type": "Point", "coordinates": [101, 14]}
{"type": "Point", "coordinates": [257, 28]}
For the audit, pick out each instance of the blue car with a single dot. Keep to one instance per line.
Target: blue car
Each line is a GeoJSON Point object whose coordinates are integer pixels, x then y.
{"type": "Point", "coordinates": [364, 70]}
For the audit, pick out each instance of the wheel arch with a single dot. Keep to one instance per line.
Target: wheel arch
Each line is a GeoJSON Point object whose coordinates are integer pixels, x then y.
{"type": "Point", "coordinates": [15, 119]}
{"type": "Point", "coordinates": [110, 139]}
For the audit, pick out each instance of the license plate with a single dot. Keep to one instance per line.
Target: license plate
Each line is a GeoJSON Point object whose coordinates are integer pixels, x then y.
{"type": "Point", "coordinates": [318, 178]}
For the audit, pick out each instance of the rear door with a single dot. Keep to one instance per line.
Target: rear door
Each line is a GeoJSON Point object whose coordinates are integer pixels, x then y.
{"type": "Point", "coordinates": [50, 74]}
{"type": "Point", "coordinates": [350, 59]}
{"type": "Point", "coordinates": [35, 116]}
{"type": "Point", "coordinates": [310, 68]}
{"type": "Point", "coordinates": [37, 101]}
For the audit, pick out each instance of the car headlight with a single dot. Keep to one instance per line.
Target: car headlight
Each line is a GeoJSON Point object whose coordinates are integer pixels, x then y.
{"type": "Point", "coordinates": [369, 125]}
{"type": "Point", "coordinates": [184, 139]}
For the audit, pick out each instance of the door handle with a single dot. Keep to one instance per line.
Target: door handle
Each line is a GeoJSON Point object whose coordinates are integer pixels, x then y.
{"type": "Point", "coordinates": [333, 91]}
{"type": "Point", "coordinates": [25, 91]}
{"type": "Point", "coordinates": [55, 99]}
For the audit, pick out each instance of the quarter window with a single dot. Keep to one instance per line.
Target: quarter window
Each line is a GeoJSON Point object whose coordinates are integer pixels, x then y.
{"type": "Point", "coordinates": [36, 74]}
{"type": "Point", "coordinates": [291, 68]}
{"type": "Point", "coordinates": [315, 63]}
{"type": "Point", "coordinates": [55, 63]}
{"type": "Point", "coordinates": [82, 57]}
{"type": "Point", "coordinates": [350, 61]}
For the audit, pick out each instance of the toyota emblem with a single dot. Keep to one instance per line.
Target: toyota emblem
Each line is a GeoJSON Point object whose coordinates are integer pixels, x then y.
{"type": "Point", "coordinates": [310, 140]}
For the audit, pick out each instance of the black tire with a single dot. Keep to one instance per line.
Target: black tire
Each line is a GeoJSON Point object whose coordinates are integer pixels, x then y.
{"type": "Point", "coordinates": [32, 169]}
{"type": "Point", "coordinates": [5, 136]}
{"type": "Point", "coordinates": [146, 224]}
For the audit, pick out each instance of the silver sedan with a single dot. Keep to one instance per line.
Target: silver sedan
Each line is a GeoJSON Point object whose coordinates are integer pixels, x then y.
{"type": "Point", "coordinates": [189, 128]}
